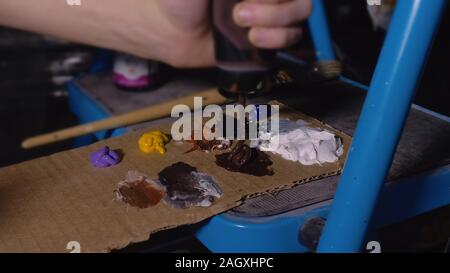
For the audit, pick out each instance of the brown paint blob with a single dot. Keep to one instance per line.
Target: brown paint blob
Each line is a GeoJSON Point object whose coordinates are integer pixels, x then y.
{"type": "Point", "coordinates": [247, 160]}
{"type": "Point", "coordinates": [139, 191]}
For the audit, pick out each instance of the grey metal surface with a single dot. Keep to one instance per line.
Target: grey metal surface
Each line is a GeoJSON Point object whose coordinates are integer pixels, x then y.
{"type": "Point", "coordinates": [115, 101]}
{"type": "Point", "coordinates": [424, 144]}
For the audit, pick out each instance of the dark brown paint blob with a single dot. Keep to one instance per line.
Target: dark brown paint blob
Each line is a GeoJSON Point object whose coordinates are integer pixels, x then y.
{"type": "Point", "coordinates": [178, 178]}
{"type": "Point", "coordinates": [247, 160]}
{"type": "Point", "coordinates": [138, 191]}
{"type": "Point", "coordinates": [186, 187]}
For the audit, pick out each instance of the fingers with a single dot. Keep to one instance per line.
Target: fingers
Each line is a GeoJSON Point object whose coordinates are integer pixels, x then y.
{"type": "Point", "coordinates": [272, 23]}
{"type": "Point", "coordinates": [271, 13]}
{"type": "Point", "coordinates": [272, 38]}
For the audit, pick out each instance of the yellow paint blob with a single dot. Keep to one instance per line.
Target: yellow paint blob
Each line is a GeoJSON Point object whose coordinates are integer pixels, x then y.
{"type": "Point", "coordinates": [154, 141]}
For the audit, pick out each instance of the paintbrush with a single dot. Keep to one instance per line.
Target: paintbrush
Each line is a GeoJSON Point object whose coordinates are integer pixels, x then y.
{"type": "Point", "coordinates": [146, 114]}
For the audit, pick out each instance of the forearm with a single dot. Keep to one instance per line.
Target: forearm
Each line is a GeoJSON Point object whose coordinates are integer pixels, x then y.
{"type": "Point", "coordinates": [133, 26]}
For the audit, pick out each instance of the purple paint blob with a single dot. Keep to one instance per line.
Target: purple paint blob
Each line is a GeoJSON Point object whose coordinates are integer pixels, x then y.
{"type": "Point", "coordinates": [104, 158]}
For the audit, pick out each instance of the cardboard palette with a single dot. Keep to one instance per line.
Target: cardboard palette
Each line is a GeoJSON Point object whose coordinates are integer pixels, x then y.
{"type": "Point", "coordinates": [48, 202]}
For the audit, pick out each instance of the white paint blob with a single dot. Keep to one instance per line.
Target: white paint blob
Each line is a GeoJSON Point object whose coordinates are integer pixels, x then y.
{"type": "Point", "coordinates": [299, 142]}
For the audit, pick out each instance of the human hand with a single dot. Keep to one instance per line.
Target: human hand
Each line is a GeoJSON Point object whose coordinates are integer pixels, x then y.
{"type": "Point", "coordinates": [272, 23]}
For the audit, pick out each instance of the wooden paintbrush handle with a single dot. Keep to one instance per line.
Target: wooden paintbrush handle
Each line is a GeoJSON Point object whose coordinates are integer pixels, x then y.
{"type": "Point", "coordinates": [145, 114]}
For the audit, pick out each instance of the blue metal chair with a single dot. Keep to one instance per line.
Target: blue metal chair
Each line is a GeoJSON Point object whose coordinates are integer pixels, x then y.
{"type": "Point", "coordinates": [403, 57]}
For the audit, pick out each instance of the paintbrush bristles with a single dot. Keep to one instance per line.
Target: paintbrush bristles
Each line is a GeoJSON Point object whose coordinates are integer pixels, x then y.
{"type": "Point", "coordinates": [328, 69]}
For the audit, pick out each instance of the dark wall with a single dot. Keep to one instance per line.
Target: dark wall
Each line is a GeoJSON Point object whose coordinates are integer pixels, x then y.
{"type": "Point", "coordinates": [33, 100]}
{"type": "Point", "coordinates": [359, 46]}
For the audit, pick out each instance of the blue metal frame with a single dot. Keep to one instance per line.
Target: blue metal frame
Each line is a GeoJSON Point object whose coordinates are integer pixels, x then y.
{"type": "Point", "coordinates": [399, 66]}
{"type": "Point", "coordinates": [419, 194]}
{"type": "Point", "coordinates": [381, 122]}
{"type": "Point", "coordinates": [88, 110]}
{"type": "Point", "coordinates": [320, 33]}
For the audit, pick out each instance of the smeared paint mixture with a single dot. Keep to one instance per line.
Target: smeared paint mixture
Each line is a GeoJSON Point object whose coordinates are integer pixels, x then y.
{"type": "Point", "coordinates": [208, 145]}
{"type": "Point", "coordinates": [186, 187]}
